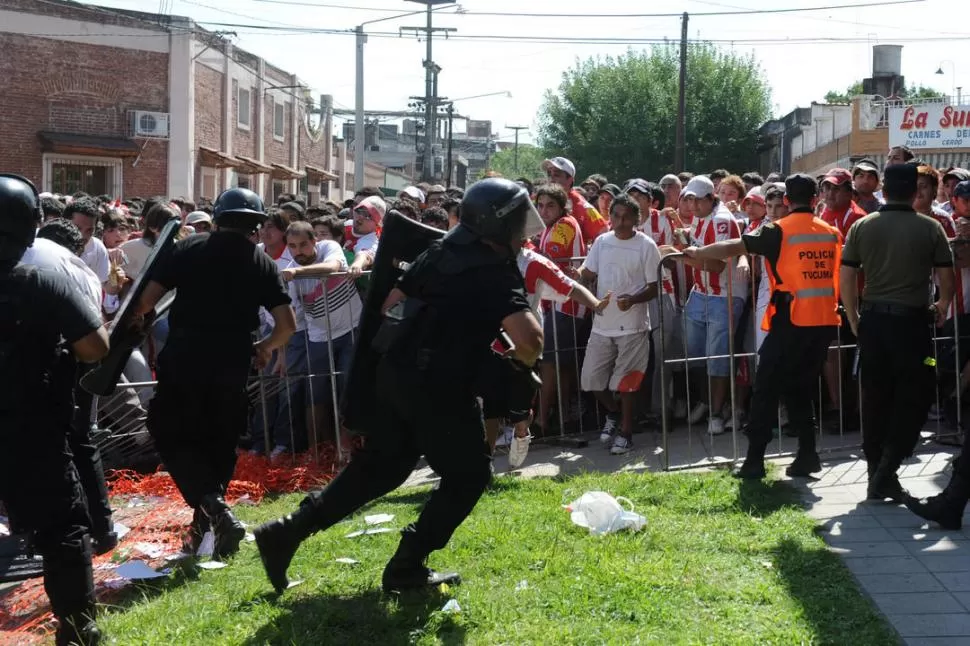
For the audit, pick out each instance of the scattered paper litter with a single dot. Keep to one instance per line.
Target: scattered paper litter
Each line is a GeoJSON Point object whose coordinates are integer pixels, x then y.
{"type": "Point", "coordinates": [245, 500]}
{"type": "Point", "coordinates": [293, 584]}
{"type": "Point", "coordinates": [347, 561]}
{"type": "Point", "coordinates": [207, 545]}
{"type": "Point", "coordinates": [359, 532]}
{"type": "Point", "coordinates": [377, 519]}
{"type": "Point", "coordinates": [522, 585]}
{"type": "Point", "coordinates": [121, 530]}
{"type": "Point", "coordinates": [179, 556]}
{"type": "Point", "coordinates": [116, 583]}
{"type": "Point", "coordinates": [212, 565]}
{"type": "Point", "coordinates": [149, 550]}
{"type": "Point", "coordinates": [250, 538]}
{"type": "Point", "coordinates": [379, 530]}
{"type": "Point", "coordinates": [136, 570]}
{"type": "Point", "coordinates": [451, 606]}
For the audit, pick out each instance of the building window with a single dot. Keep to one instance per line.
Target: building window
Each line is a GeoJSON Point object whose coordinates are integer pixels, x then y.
{"type": "Point", "coordinates": [209, 184]}
{"type": "Point", "coordinates": [245, 108]}
{"type": "Point", "coordinates": [279, 121]}
{"type": "Point", "coordinates": [68, 174]}
{"type": "Point", "coordinates": [279, 187]}
{"type": "Point", "coordinates": [241, 181]}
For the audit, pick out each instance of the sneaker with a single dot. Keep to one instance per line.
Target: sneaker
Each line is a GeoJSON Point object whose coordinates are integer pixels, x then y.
{"type": "Point", "coordinates": [698, 413]}
{"type": "Point", "coordinates": [277, 451]}
{"type": "Point", "coordinates": [609, 430]}
{"type": "Point", "coordinates": [621, 445]}
{"type": "Point", "coordinates": [680, 409]}
{"type": "Point", "coordinates": [505, 437]}
{"type": "Point", "coordinates": [715, 426]}
{"type": "Point", "coordinates": [518, 451]}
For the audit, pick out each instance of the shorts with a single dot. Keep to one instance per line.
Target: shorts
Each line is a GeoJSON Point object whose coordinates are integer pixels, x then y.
{"type": "Point", "coordinates": [343, 355]}
{"type": "Point", "coordinates": [707, 330]}
{"type": "Point", "coordinates": [572, 333]}
{"type": "Point", "coordinates": [506, 393]}
{"type": "Point", "coordinates": [616, 363]}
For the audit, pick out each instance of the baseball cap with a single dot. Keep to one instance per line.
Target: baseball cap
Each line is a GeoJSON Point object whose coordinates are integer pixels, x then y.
{"type": "Point", "coordinates": [962, 189]}
{"type": "Point", "coordinates": [700, 186]}
{"type": "Point", "coordinates": [562, 164]}
{"type": "Point", "coordinates": [197, 216]}
{"type": "Point", "coordinates": [865, 166]}
{"type": "Point", "coordinates": [413, 192]}
{"type": "Point", "coordinates": [437, 188]}
{"type": "Point", "coordinates": [754, 195]}
{"type": "Point", "coordinates": [961, 174]}
{"type": "Point", "coordinates": [375, 207]}
{"type": "Point", "coordinates": [837, 176]}
{"type": "Point", "coordinates": [612, 189]}
{"type": "Point", "coordinates": [638, 185]}
{"type": "Point", "coordinates": [801, 186]}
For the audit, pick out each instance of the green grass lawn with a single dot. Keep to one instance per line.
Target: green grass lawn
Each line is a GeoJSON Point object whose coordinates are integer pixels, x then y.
{"type": "Point", "coordinates": [718, 563]}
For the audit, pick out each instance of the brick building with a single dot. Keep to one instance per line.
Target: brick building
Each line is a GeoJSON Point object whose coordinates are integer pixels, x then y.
{"type": "Point", "coordinates": [127, 103]}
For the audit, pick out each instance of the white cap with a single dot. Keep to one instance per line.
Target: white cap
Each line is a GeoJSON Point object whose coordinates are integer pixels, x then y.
{"type": "Point", "coordinates": [699, 186]}
{"type": "Point", "coordinates": [413, 191]}
{"type": "Point", "coordinates": [198, 216]}
{"type": "Point", "coordinates": [562, 164]}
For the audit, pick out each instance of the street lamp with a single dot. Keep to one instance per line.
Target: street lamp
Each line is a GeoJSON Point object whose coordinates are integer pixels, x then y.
{"type": "Point", "coordinates": [359, 102]}
{"type": "Point", "coordinates": [953, 76]}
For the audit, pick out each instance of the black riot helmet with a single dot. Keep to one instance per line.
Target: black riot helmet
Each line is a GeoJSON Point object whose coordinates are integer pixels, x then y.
{"type": "Point", "coordinates": [238, 208]}
{"type": "Point", "coordinates": [497, 210]}
{"type": "Point", "coordinates": [20, 215]}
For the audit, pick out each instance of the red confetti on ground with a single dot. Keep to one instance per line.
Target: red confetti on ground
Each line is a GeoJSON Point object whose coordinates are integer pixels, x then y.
{"type": "Point", "coordinates": [151, 506]}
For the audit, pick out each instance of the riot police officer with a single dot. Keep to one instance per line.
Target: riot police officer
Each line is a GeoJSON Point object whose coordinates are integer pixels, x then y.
{"type": "Point", "coordinates": [439, 323]}
{"type": "Point", "coordinates": [41, 318]}
{"type": "Point", "coordinates": [200, 406]}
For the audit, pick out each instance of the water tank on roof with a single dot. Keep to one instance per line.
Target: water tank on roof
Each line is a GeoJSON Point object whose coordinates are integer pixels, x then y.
{"type": "Point", "coordinates": [887, 60]}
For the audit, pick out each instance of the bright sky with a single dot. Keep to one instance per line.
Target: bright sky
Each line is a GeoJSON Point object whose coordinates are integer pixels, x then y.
{"type": "Point", "coordinates": [798, 72]}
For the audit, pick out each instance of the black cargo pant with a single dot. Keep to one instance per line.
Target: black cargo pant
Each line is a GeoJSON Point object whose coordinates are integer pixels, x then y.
{"type": "Point", "coordinates": [87, 459]}
{"type": "Point", "coordinates": [789, 365]}
{"type": "Point", "coordinates": [416, 421]}
{"type": "Point", "coordinates": [39, 486]}
{"type": "Point", "coordinates": [898, 380]}
{"type": "Point", "coordinates": [196, 426]}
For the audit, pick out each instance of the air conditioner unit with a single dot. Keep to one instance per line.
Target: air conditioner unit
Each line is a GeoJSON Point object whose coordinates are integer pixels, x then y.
{"type": "Point", "coordinates": [149, 124]}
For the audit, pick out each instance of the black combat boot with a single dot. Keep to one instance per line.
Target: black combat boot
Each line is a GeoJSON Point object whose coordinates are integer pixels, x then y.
{"type": "Point", "coordinates": [883, 481]}
{"type": "Point", "coordinates": [945, 508]}
{"type": "Point", "coordinates": [78, 629]}
{"type": "Point", "coordinates": [754, 462]}
{"type": "Point", "coordinates": [406, 569]}
{"type": "Point", "coordinates": [278, 541]}
{"type": "Point", "coordinates": [192, 540]}
{"type": "Point", "coordinates": [806, 461]}
{"type": "Point", "coordinates": [228, 531]}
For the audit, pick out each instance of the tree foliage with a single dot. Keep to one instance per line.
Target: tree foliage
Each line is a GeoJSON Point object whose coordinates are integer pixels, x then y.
{"type": "Point", "coordinates": [617, 116]}
{"type": "Point", "coordinates": [530, 162]}
{"type": "Point", "coordinates": [912, 92]}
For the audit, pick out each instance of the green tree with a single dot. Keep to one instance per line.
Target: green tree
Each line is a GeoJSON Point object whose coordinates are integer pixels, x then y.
{"type": "Point", "coordinates": [912, 92]}
{"type": "Point", "coordinates": [530, 162]}
{"type": "Point", "coordinates": [617, 116]}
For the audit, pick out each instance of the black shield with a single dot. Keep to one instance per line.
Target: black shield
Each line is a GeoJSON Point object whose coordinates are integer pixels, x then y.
{"type": "Point", "coordinates": [402, 240]}
{"type": "Point", "coordinates": [103, 379]}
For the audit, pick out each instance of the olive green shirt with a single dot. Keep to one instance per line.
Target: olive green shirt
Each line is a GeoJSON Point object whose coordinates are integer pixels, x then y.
{"type": "Point", "coordinates": [897, 249]}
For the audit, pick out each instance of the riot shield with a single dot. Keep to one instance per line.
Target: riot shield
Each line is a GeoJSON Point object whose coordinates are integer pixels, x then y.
{"type": "Point", "coordinates": [103, 379]}
{"type": "Point", "coordinates": [402, 240]}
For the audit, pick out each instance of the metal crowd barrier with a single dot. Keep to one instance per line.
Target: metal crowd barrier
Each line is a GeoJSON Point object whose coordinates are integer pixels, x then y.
{"type": "Point", "coordinates": [122, 416]}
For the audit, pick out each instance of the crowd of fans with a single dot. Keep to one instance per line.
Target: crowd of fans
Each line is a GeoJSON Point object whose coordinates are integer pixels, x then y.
{"type": "Point", "coordinates": [324, 251]}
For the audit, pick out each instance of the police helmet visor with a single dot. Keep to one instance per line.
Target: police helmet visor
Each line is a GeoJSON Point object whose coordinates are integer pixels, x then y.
{"type": "Point", "coordinates": [522, 214]}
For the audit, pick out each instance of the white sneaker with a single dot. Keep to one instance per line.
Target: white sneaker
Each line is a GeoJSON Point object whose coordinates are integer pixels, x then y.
{"type": "Point", "coordinates": [621, 445]}
{"type": "Point", "coordinates": [680, 409]}
{"type": "Point", "coordinates": [277, 452]}
{"type": "Point", "coordinates": [699, 412]}
{"type": "Point", "coordinates": [505, 437]}
{"type": "Point", "coordinates": [609, 430]}
{"type": "Point", "coordinates": [518, 451]}
{"type": "Point", "coordinates": [715, 426]}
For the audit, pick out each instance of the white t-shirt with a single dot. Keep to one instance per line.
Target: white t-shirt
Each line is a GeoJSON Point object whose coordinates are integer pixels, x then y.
{"type": "Point", "coordinates": [50, 255]}
{"type": "Point", "coordinates": [285, 261]}
{"type": "Point", "coordinates": [366, 243]}
{"type": "Point", "coordinates": [136, 252]}
{"type": "Point", "coordinates": [622, 267]}
{"type": "Point", "coordinates": [335, 296]}
{"type": "Point", "coordinates": [95, 256]}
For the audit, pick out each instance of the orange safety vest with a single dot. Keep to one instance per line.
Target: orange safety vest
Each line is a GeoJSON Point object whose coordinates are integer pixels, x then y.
{"type": "Point", "coordinates": [808, 269]}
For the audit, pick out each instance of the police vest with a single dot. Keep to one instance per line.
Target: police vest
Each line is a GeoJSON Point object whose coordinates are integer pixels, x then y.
{"type": "Point", "coordinates": [807, 272]}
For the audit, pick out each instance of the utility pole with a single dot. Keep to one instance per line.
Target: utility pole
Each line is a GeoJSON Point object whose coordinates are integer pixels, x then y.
{"type": "Point", "coordinates": [430, 74]}
{"type": "Point", "coordinates": [680, 146]}
{"type": "Point", "coordinates": [359, 113]}
{"type": "Point", "coordinates": [515, 154]}
{"type": "Point", "coordinates": [451, 117]}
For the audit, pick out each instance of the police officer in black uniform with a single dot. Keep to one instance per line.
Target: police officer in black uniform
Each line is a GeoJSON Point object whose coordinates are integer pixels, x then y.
{"type": "Point", "coordinates": [439, 324]}
{"type": "Point", "coordinates": [200, 406]}
{"type": "Point", "coordinates": [41, 318]}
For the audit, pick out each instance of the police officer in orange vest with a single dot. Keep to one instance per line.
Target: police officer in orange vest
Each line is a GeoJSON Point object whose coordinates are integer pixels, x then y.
{"type": "Point", "coordinates": [803, 255]}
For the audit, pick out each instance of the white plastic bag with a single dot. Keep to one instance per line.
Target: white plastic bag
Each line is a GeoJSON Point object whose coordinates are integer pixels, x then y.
{"type": "Point", "coordinates": [601, 513]}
